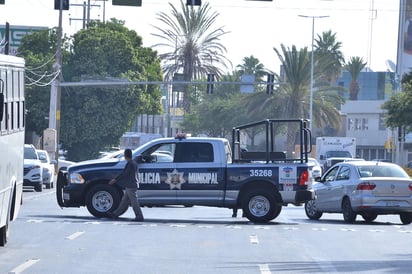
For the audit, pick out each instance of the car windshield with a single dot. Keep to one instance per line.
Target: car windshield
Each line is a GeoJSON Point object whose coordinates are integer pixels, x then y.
{"type": "Point", "coordinates": [29, 153]}
{"type": "Point", "coordinates": [381, 171]}
{"type": "Point", "coordinates": [331, 154]}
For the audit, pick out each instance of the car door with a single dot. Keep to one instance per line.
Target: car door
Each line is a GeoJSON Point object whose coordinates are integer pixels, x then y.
{"type": "Point", "coordinates": [203, 175]}
{"type": "Point", "coordinates": [323, 189]}
{"type": "Point", "coordinates": [338, 187]}
{"type": "Point", "coordinates": [155, 186]}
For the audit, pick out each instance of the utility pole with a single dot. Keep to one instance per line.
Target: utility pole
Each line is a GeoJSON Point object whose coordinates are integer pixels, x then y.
{"type": "Point", "coordinates": [55, 92]}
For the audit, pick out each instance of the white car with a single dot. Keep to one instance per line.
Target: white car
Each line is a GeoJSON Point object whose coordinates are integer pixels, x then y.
{"type": "Point", "coordinates": [316, 168]}
{"type": "Point", "coordinates": [33, 169]}
{"type": "Point", "coordinates": [48, 168]}
{"type": "Point", "coordinates": [364, 188]}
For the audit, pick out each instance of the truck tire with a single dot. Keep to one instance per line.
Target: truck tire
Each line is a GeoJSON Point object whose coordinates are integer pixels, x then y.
{"type": "Point", "coordinates": [101, 199]}
{"type": "Point", "coordinates": [4, 232]}
{"type": "Point", "coordinates": [260, 206]}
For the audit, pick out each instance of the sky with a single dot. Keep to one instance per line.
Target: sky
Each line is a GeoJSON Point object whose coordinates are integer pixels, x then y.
{"type": "Point", "coordinates": [366, 28]}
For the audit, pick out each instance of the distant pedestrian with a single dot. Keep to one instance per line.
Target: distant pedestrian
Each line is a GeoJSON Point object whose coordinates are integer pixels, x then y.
{"type": "Point", "coordinates": [128, 181]}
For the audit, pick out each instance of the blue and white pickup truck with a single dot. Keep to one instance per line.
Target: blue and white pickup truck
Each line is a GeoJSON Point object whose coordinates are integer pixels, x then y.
{"type": "Point", "coordinates": [258, 176]}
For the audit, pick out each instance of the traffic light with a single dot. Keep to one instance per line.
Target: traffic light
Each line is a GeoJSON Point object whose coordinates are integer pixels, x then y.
{"type": "Point", "coordinates": [193, 2]}
{"type": "Point", "coordinates": [2, 2]}
{"type": "Point", "coordinates": [269, 83]}
{"type": "Point", "coordinates": [134, 3]}
{"type": "Point", "coordinates": [210, 82]}
{"type": "Point", "coordinates": [64, 7]}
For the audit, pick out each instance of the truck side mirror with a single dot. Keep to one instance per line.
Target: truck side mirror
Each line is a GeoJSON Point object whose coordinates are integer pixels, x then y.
{"type": "Point", "coordinates": [139, 159]}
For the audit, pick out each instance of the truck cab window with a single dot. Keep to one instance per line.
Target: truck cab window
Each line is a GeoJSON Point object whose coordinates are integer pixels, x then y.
{"type": "Point", "coordinates": [194, 152]}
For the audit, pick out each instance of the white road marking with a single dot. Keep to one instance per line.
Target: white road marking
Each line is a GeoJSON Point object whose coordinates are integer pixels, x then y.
{"type": "Point", "coordinates": [347, 229]}
{"type": "Point", "coordinates": [264, 269]}
{"type": "Point", "coordinates": [254, 239]}
{"type": "Point", "coordinates": [261, 227]}
{"type": "Point", "coordinates": [23, 266]}
{"type": "Point", "coordinates": [319, 229]}
{"type": "Point", "coordinates": [176, 225]}
{"type": "Point", "coordinates": [35, 221]}
{"type": "Point", "coordinates": [75, 235]}
{"type": "Point", "coordinates": [206, 226]}
{"type": "Point", "coordinates": [92, 223]}
{"type": "Point", "coordinates": [234, 226]}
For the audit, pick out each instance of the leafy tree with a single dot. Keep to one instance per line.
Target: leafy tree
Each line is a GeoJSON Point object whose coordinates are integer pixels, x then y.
{"type": "Point", "coordinates": [354, 67]}
{"type": "Point", "coordinates": [399, 107]}
{"type": "Point", "coordinates": [216, 114]}
{"type": "Point", "coordinates": [95, 117]}
{"type": "Point", "coordinates": [327, 47]}
{"type": "Point", "coordinates": [39, 49]}
{"type": "Point", "coordinates": [193, 42]}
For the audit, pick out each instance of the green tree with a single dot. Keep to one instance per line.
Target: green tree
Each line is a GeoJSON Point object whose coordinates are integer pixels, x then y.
{"type": "Point", "coordinates": [399, 107]}
{"type": "Point", "coordinates": [216, 114]}
{"type": "Point", "coordinates": [39, 49]}
{"type": "Point", "coordinates": [94, 118]}
{"type": "Point", "coordinates": [327, 47]}
{"type": "Point", "coordinates": [193, 43]}
{"type": "Point", "coordinates": [354, 67]}
{"type": "Point", "coordinates": [252, 66]}
{"type": "Point", "coordinates": [292, 98]}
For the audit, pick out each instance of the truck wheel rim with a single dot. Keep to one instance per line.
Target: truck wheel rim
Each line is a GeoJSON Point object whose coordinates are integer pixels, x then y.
{"type": "Point", "coordinates": [259, 206]}
{"type": "Point", "coordinates": [102, 201]}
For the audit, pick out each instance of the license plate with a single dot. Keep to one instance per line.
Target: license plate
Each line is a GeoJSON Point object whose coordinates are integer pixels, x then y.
{"type": "Point", "coordinates": [392, 204]}
{"type": "Point", "coordinates": [66, 196]}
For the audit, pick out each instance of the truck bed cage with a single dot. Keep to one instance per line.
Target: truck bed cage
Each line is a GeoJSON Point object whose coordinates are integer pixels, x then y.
{"type": "Point", "coordinates": [270, 155]}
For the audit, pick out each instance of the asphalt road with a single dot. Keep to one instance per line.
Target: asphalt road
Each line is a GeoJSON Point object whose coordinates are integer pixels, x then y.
{"type": "Point", "coordinates": [47, 239]}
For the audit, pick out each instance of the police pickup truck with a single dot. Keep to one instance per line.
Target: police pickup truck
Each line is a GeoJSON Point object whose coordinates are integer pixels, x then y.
{"type": "Point", "coordinates": [258, 174]}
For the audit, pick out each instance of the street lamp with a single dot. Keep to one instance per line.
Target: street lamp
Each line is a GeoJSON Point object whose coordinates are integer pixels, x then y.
{"type": "Point", "coordinates": [311, 65]}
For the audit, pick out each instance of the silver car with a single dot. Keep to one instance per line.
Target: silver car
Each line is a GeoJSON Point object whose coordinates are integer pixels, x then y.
{"type": "Point", "coordinates": [365, 188]}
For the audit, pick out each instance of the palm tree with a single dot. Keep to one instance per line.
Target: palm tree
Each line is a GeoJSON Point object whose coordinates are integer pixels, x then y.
{"type": "Point", "coordinates": [293, 98]}
{"type": "Point", "coordinates": [193, 42]}
{"type": "Point", "coordinates": [329, 49]}
{"type": "Point", "coordinates": [252, 66]}
{"type": "Point", "coordinates": [354, 67]}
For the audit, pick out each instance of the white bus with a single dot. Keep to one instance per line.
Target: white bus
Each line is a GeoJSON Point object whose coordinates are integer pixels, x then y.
{"type": "Point", "coordinates": [12, 123]}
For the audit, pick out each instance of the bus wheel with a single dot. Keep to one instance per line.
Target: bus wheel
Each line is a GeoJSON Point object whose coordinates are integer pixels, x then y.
{"type": "Point", "coordinates": [101, 199]}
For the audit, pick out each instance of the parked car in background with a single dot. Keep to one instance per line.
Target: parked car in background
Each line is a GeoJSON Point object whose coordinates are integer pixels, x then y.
{"type": "Point", "coordinates": [48, 168]}
{"type": "Point", "coordinates": [33, 169]}
{"type": "Point", "coordinates": [63, 164]}
{"type": "Point", "coordinates": [365, 188]}
{"type": "Point", "coordinates": [316, 169]}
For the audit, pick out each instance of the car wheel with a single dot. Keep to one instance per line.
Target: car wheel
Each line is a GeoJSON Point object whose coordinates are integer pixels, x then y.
{"type": "Point", "coordinates": [48, 186]}
{"type": "Point", "coordinates": [349, 215]}
{"type": "Point", "coordinates": [101, 199]}
{"type": "Point", "coordinates": [260, 206]}
{"type": "Point", "coordinates": [406, 218]}
{"type": "Point", "coordinates": [369, 217]}
{"type": "Point", "coordinates": [39, 188]}
{"type": "Point", "coordinates": [311, 211]}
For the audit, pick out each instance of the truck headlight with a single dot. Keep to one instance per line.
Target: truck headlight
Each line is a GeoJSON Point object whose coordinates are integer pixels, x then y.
{"type": "Point", "coordinates": [76, 178]}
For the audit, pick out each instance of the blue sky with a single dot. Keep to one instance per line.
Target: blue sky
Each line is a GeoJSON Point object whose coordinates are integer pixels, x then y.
{"type": "Point", "coordinates": [254, 27]}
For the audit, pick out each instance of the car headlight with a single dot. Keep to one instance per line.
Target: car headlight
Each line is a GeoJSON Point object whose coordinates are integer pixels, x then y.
{"type": "Point", "coordinates": [76, 178]}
